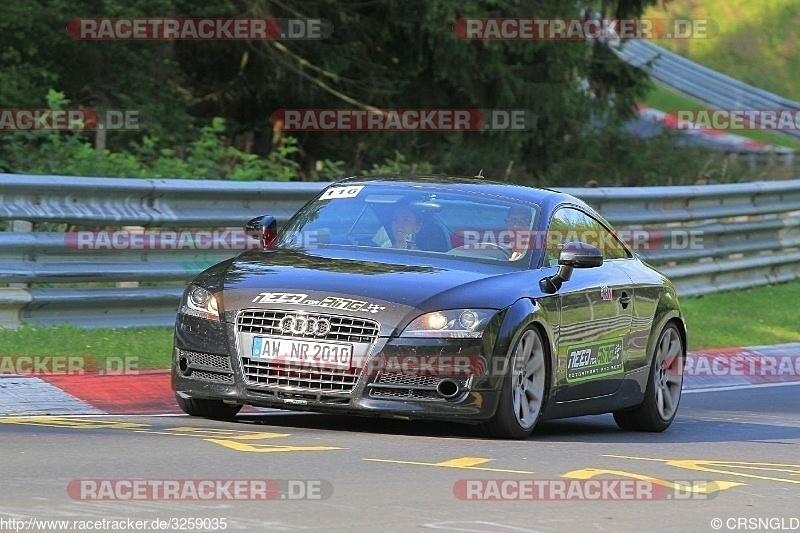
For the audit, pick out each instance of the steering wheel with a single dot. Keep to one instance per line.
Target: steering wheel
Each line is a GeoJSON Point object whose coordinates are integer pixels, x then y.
{"type": "Point", "coordinates": [508, 252]}
{"type": "Point", "coordinates": [489, 253]}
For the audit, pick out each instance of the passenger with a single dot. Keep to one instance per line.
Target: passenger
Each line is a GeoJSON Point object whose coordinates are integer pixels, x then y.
{"type": "Point", "coordinates": [518, 223]}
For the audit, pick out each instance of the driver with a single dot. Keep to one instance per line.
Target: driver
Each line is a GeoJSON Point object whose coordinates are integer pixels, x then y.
{"type": "Point", "coordinates": [406, 225]}
{"type": "Point", "coordinates": [403, 231]}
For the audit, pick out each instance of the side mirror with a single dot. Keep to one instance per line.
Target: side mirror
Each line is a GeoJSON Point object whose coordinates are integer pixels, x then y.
{"type": "Point", "coordinates": [264, 229]}
{"type": "Point", "coordinates": [580, 255]}
{"type": "Point", "coordinates": [573, 255]}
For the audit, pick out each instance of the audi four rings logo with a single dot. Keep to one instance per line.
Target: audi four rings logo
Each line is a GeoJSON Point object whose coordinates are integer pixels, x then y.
{"type": "Point", "coordinates": [303, 325]}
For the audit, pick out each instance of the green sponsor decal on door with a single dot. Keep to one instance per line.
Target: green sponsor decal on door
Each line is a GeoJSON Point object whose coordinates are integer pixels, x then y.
{"type": "Point", "coordinates": [594, 360]}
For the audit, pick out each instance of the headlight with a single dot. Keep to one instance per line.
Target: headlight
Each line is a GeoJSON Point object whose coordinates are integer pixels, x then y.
{"type": "Point", "coordinates": [199, 302]}
{"type": "Point", "coordinates": [453, 323]}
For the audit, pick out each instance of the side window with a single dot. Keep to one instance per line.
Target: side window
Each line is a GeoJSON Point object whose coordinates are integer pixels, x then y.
{"type": "Point", "coordinates": [571, 225]}
{"type": "Point", "coordinates": [612, 246]}
{"type": "Point", "coordinates": [556, 235]}
{"type": "Point", "coordinates": [597, 235]}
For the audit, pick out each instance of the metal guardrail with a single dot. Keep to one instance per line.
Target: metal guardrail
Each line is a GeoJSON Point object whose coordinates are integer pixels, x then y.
{"type": "Point", "coordinates": [750, 236]}
{"type": "Point", "coordinates": [624, 206]}
{"type": "Point", "coordinates": [102, 307]}
{"type": "Point", "coordinates": [147, 202]}
{"type": "Point", "coordinates": [45, 258]}
{"type": "Point", "coordinates": [696, 81]}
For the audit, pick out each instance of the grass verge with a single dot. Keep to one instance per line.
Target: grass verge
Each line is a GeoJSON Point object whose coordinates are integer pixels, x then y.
{"type": "Point", "coordinates": [101, 349]}
{"type": "Point", "coordinates": [750, 317]}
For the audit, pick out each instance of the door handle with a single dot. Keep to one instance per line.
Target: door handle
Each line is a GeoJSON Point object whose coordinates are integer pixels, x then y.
{"type": "Point", "coordinates": [624, 299]}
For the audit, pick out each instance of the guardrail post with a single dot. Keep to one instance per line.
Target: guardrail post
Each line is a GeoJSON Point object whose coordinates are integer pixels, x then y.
{"type": "Point", "coordinates": [130, 229]}
{"type": "Point", "coordinates": [12, 301]}
{"type": "Point", "coordinates": [20, 226]}
{"type": "Point", "coordinates": [15, 297]}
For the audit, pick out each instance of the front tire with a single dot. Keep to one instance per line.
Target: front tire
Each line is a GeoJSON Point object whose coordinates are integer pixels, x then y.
{"type": "Point", "coordinates": [664, 386]}
{"type": "Point", "coordinates": [216, 409]}
{"type": "Point", "coordinates": [524, 390]}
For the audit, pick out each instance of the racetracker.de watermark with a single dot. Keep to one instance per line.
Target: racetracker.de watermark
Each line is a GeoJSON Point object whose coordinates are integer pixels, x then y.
{"type": "Point", "coordinates": [198, 29]}
{"type": "Point", "coordinates": [639, 240]}
{"type": "Point", "coordinates": [734, 119]}
{"type": "Point", "coordinates": [71, 119]}
{"type": "Point", "coordinates": [199, 489]}
{"type": "Point", "coordinates": [403, 120]}
{"type": "Point", "coordinates": [291, 357]}
{"type": "Point", "coordinates": [236, 239]}
{"type": "Point", "coordinates": [766, 367]}
{"type": "Point", "coordinates": [583, 29]}
{"type": "Point", "coordinates": [35, 365]}
{"type": "Point", "coordinates": [581, 489]}
{"type": "Point", "coordinates": [233, 239]}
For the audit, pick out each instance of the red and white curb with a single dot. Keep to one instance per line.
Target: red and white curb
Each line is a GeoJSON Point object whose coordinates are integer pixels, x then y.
{"type": "Point", "coordinates": [24, 395]}
{"type": "Point", "coordinates": [150, 393]}
{"type": "Point", "coordinates": [737, 368]}
{"type": "Point", "coordinates": [147, 392]}
{"type": "Point", "coordinates": [730, 141]}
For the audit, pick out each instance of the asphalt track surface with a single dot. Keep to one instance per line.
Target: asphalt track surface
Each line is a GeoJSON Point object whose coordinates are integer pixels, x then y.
{"type": "Point", "coordinates": [731, 455]}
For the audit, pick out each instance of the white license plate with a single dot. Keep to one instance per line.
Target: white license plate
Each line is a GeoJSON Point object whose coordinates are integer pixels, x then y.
{"type": "Point", "coordinates": [301, 352]}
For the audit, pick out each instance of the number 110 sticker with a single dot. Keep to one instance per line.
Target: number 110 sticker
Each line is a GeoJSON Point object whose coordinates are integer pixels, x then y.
{"type": "Point", "coordinates": [341, 192]}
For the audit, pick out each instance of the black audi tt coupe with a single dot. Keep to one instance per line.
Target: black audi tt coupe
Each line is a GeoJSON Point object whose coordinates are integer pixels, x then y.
{"type": "Point", "coordinates": [434, 298]}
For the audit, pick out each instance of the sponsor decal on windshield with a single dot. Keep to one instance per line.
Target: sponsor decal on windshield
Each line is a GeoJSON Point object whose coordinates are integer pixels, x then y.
{"type": "Point", "coordinates": [594, 360]}
{"type": "Point", "coordinates": [333, 302]}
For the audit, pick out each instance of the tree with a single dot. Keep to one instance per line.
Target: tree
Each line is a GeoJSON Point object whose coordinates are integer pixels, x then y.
{"type": "Point", "coordinates": [386, 54]}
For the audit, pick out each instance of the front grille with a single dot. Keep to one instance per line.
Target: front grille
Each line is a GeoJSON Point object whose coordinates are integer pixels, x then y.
{"type": "Point", "coordinates": [316, 396]}
{"type": "Point", "coordinates": [208, 360]}
{"type": "Point", "coordinates": [212, 376]}
{"type": "Point", "coordinates": [397, 385]}
{"type": "Point", "coordinates": [208, 366]}
{"type": "Point", "coordinates": [405, 393]}
{"type": "Point", "coordinates": [278, 374]}
{"type": "Point", "coordinates": [396, 378]}
{"type": "Point", "coordinates": [342, 328]}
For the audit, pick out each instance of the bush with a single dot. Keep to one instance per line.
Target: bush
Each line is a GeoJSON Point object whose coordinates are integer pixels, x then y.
{"type": "Point", "coordinates": [210, 156]}
{"type": "Point", "coordinates": [620, 159]}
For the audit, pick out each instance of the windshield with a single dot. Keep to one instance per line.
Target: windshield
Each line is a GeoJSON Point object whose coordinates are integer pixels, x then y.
{"type": "Point", "coordinates": [419, 220]}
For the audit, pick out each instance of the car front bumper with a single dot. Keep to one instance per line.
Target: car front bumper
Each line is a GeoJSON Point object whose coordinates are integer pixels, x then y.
{"type": "Point", "coordinates": [209, 362]}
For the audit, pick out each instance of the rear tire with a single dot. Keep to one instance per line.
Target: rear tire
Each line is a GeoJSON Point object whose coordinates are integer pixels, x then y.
{"type": "Point", "coordinates": [216, 409]}
{"type": "Point", "coordinates": [664, 386]}
{"type": "Point", "coordinates": [524, 389]}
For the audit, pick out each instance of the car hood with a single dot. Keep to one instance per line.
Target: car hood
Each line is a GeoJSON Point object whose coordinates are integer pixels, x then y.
{"type": "Point", "coordinates": [376, 286]}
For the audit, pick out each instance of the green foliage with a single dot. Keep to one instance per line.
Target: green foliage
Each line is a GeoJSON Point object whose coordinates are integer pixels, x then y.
{"type": "Point", "coordinates": [757, 41]}
{"type": "Point", "coordinates": [395, 55]}
{"type": "Point", "coordinates": [208, 104]}
{"type": "Point", "coordinates": [209, 156]}
{"type": "Point", "coordinates": [617, 158]}
{"type": "Point", "coordinates": [327, 170]}
{"type": "Point", "coordinates": [398, 165]}
{"type": "Point", "coordinates": [36, 53]}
